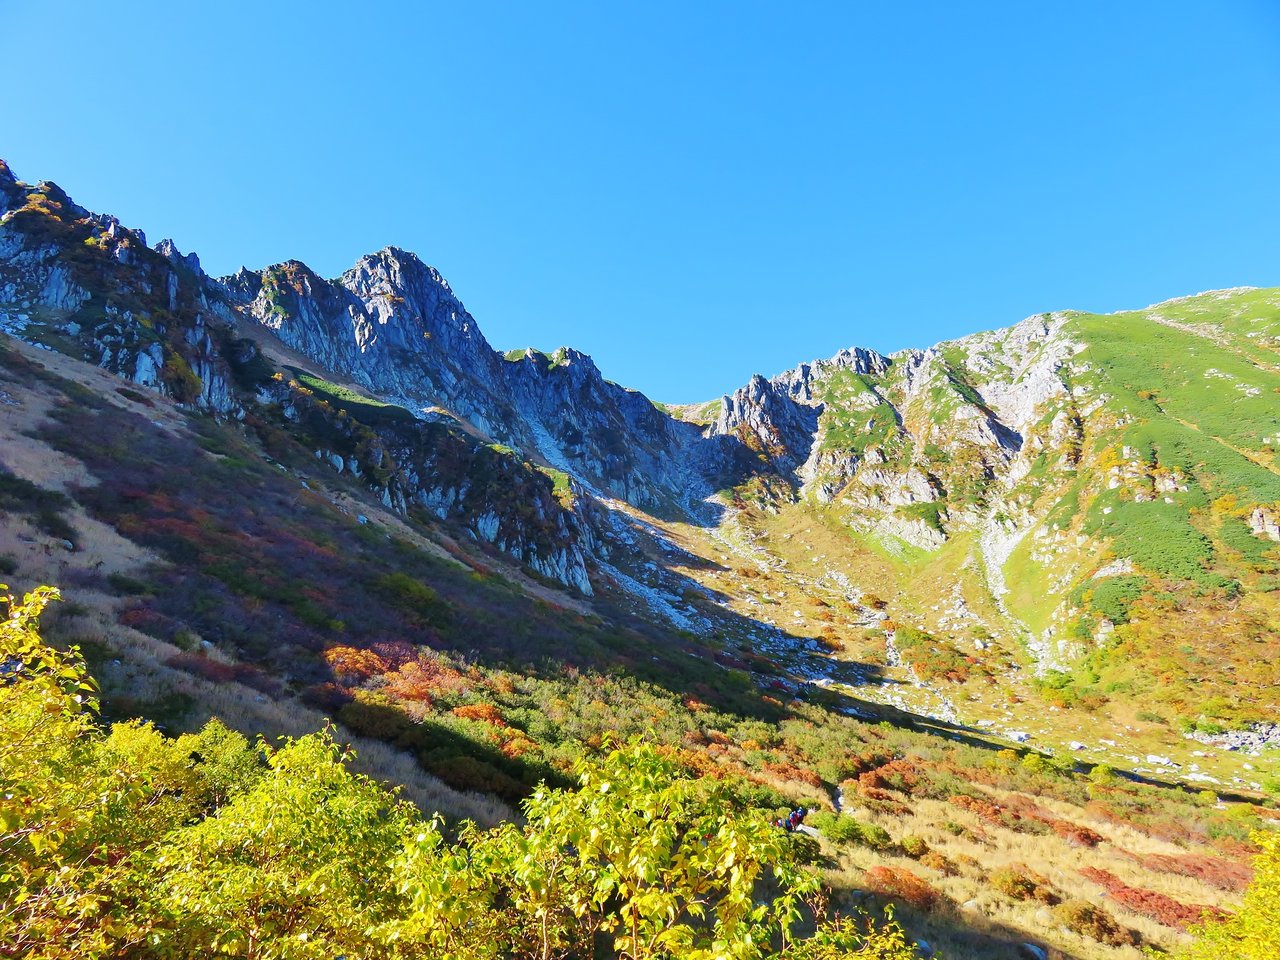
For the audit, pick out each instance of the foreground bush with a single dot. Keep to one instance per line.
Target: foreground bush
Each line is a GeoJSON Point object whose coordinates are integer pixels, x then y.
{"type": "Point", "coordinates": [1254, 932]}
{"type": "Point", "coordinates": [128, 843]}
{"type": "Point", "coordinates": [848, 938]}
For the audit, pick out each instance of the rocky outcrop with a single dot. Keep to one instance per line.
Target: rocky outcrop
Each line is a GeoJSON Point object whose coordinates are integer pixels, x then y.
{"type": "Point", "coordinates": [780, 417]}
{"type": "Point", "coordinates": [486, 490]}
{"type": "Point", "coordinates": [87, 285]}
{"type": "Point", "coordinates": [764, 415]}
{"type": "Point", "coordinates": [1265, 522]}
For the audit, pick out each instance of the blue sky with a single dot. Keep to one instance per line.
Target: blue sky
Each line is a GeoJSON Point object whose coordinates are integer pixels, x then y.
{"type": "Point", "coordinates": [689, 192]}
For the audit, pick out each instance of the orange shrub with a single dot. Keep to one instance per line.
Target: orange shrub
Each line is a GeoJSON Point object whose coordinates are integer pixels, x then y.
{"type": "Point", "coordinates": [351, 665]}
{"type": "Point", "coordinates": [831, 642]}
{"type": "Point", "coordinates": [517, 745]}
{"type": "Point", "coordinates": [787, 771]}
{"type": "Point", "coordinates": [895, 883]}
{"type": "Point", "coordinates": [502, 683]}
{"type": "Point", "coordinates": [895, 775]}
{"type": "Point", "coordinates": [424, 679]}
{"type": "Point", "coordinates": [1018, 882]}
{"type": "Point", "coordinates": [936, 861]}
{"type": "Point", "coordinates": [985, 810]}
{"type": "Point", "coordinates": [484, 712]}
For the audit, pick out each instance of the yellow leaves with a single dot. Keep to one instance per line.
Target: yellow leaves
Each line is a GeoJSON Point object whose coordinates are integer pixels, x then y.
{"type": "Point", "coordinates": [351, 664]}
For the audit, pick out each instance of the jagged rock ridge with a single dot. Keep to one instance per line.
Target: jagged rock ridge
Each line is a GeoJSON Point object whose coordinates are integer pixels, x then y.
{"type": "Point", "coordinates": [979, 436]}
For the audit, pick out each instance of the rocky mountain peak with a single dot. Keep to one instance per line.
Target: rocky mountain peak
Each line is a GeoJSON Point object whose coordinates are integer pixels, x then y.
{"type": "Point", "coordinates": [800, 382]}
{"type": "Point", "coordinates": [9, 189]}
{"type": "Point", "coordinates": [169, 250]}
{"type": "Point", "coordinates": [395, 270]}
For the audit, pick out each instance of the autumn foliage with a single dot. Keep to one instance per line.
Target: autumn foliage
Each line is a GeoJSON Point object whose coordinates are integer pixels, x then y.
{"type": "Point", "coordinates": [123, 842]}
{"type": "Point", "coordinates": [1157, 906]}
{"type": "Point", "coordinates": [897, 883]}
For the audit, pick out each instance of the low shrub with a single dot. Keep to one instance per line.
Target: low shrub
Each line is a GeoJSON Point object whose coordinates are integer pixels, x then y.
{"type": "Point", "coordinates": [1018, 882]}
{"type": "Point", "coordinates": [913, 846]}
{"type": "Point", "coordinates": [936, 861]}
{"type": "Point", "coordinates": [1215, 871]}
{"type": "Point", "coordinates": [895, 883]}
{"type": "Point", "coordinates": [1075, 834]}
{"type": "Point", "coordinates": [1089, 920]}
{"type": "Point", "coordinates": [842, 828]}
{"type": "Point", "coordinates": [1156, 906]}
{"type": "Point", "coordinates": [846, 937]}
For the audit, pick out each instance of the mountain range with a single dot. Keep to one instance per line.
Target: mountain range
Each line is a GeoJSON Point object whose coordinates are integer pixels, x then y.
{"type": "Point", "coordinates": [1062, 533]}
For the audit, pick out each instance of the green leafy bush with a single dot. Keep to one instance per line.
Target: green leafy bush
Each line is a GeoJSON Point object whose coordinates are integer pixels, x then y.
{"type": "Point", "coordinates": [843, 828]}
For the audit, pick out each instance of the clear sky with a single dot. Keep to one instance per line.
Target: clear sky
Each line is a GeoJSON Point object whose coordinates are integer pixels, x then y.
{"type": "Point", "coordinates": [690, 192]}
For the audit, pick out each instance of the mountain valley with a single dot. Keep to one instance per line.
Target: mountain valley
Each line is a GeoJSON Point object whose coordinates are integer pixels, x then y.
{"type": "Point", "coordinates": [1006, 609]}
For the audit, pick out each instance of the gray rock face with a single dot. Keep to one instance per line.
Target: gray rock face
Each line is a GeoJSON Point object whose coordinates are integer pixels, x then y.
{"type": "Point", "coordinates": [91, 285]}
{"type": "Point", "coordinates": [781, 415]}
{"type": "Point", "coordinates": [1265, 523]}
{"type": "Point", "coordinates": [764, 414]}
{"type": "Point", "coordinates": [393, 325]}
{"type": "Point", "coordinates": [853, 430]}
{"type": "Point", "coordinates": [169, 251]}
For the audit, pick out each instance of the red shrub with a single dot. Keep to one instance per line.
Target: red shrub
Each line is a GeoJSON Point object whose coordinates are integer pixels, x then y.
{"type": "Point", "coordinates": [1073, 833]}
{"type": "Point", "coordinates": [1076, 835]}
{"type": "Point", "coordinates": [896, 883]}
{"type": "Point", "coordinates": [217, 672]}
{"type": "Point", "coordinates": [1160, 908]}
{"type": "Point", "coordinates": [1216, 872]}
{"type": "Point", "coordinates": [1026, 807]}
{"type": "Point", "coordinates": [148, 621]}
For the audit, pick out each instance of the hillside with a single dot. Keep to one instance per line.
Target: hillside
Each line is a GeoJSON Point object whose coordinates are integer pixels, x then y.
{"type": "Point", "coordinates": [1003, 609]}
